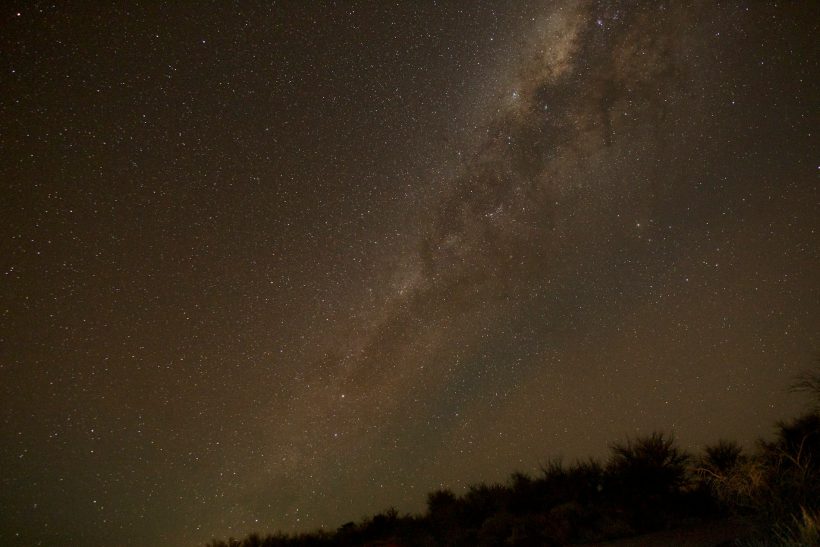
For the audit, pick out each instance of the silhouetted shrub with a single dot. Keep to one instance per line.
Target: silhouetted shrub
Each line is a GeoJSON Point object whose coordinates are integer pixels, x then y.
{"type": "Point", "coordinates": [481, 501]}
{"type": "Point", "coordinates": [442, 506]}
{"type": "Point", "coordinates": [722, 458]}
{"type": "Point", "coordinates": [809, 383]}
{"type": "Point", "coordinates": [522, 497]}
{"type": "Point", "coordinates": [792, 468]}
{"type": "Point", "coordinates": [645, 478]}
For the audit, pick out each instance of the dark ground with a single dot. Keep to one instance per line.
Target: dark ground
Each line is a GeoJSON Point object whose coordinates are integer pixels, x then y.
{"type": "Point", "coordinates": [711, 534]}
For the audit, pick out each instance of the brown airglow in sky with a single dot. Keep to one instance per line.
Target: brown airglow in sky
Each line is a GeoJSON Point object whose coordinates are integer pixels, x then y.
{"type": "Point", "coordinates": [276, 267]}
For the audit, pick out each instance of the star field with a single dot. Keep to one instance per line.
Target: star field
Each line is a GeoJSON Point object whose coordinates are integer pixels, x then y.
{"type": "Point", "coordinates": [279, 266]}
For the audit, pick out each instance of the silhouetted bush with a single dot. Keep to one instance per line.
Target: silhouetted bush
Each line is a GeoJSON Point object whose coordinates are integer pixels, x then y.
{"type": "Point", "coordinates": [722, 458]}
{"type": "Point", "coordinates": [647, 467]}
{"type": "Point", "coordinates": [791, 465]}
{"type": "Point", "coordinates": [645, 478]}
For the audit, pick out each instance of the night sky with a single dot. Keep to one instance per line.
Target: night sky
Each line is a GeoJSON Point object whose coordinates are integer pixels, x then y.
{"type": "Point", "coordinates": [278, 266]}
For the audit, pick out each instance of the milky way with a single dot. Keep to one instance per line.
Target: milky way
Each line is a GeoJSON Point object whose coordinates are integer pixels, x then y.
{"type": "Point", "coordinates": [277, 268]}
